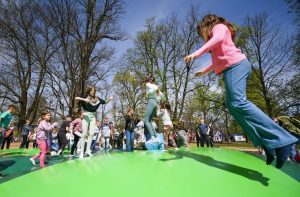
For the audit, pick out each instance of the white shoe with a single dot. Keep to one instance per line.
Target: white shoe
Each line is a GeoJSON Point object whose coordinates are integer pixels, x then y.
{"type": "Point", "coordinates": [81, 156]}
{"type": "Point", "coordinates": [89, 154]}
{"type": "Point", "coordinates": [32, 161]}
{"type": "Point", "coordinates": [58, 153]}
{"type": "Point", "coordinates": [176, 149]}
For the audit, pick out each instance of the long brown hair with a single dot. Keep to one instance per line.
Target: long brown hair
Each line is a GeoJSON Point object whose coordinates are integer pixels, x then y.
{"type": "Point", "coordinates": [90, 88]}
{"type": "Point", "coordinates": [206, 25]}
{"type": "Point", "coordinates": [166, 105]}
{"type": "Point", "coordinates": [149, 79]}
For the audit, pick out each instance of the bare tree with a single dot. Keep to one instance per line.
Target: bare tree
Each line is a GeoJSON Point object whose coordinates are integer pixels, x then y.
{"type": "Point", "coordinates": [25, 50]}
{"type": "Point", "coordinates": [159, 51]}
{"type": "Point", "coordinates": [81, 27]}
{"type": "Point", "coordinates": [269, 51]}
{"type": "Point", "coordinates": [129, 91]}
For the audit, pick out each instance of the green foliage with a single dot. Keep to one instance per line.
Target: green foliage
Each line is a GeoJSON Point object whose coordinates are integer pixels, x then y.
{"type": "Point", "coordinates": [234, 127]}
{"type": "Point", "coordinates": [289, 123]}
{"type": "Point", "coordinates": [254, 94]}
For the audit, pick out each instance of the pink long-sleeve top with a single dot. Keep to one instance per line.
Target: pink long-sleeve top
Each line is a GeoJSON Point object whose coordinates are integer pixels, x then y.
{"type": "Point", "coordinates": [223, 51]}
{"type": "Point", "coordinates": [76, 125]}
{"type": "Point", "coordinates": [44, 129]}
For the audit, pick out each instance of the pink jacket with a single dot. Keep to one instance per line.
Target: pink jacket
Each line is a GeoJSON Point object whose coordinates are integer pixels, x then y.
{"type": "Point", "coordinates": [223, 51]}
{"type": "Point", "coordinates": [44, 129]}
{"type": "Point", "coordinates": [77, 125]}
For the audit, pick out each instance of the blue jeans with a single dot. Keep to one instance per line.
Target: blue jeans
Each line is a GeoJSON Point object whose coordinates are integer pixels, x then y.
{"type": "Point", "coordinates": [261, 129]}
{"type": "Point", "coordinates": [147, 136]}
{"type": "Point", "coordinates": [106, 144]}
{"type": "Point", "coordinates": [129, 140]}
{"type": "Point", "coordinates": [149, 115]}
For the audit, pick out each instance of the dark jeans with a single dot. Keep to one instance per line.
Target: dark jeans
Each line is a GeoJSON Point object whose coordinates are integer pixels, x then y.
{"type": "Point", "coordinates": [94, 143]}
{"type": "Point", "coordinates": [74, 146]}
{"type": "Point", "coordinates": [34, 143]}
{"type": "Point", "coordinates": [204, 139]}
{"type": "Point", "coordinates": [198, 141]}
{"type": "Point", "coordinates": [129, 140]}
{"type": "Point", "coordinates": [147, 136]}
{"type": "Point", "coordinates": [6, 140]}
{"type": "Point", "coordinates": [2, 131]}
{"type": "Point", "coordinates": [210, 141]}
{"type": "Point", "coordinates": [25, 142]}
{"type": "Point", "coordinates": [115, 143]}
{"type": "Point", "coordinates": [62, 140]}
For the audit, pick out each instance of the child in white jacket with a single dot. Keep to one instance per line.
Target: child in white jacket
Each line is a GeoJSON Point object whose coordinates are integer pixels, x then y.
{"type": "Point", "coordinates": [164, 112]}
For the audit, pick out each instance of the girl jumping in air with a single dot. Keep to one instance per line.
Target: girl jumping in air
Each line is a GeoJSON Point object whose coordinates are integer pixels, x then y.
{"type": "Point", "coordinates": [228, 60]}
{"type": "Point", "coordinates": [154, 97]}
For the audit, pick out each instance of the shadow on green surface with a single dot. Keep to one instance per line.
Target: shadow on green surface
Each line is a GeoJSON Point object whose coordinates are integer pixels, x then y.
{"type": "Point", "coordinates": [6, 164]}
{"type": "Point", "coordinates": [245, 172]}
{"type": "Point", "coordinates": [15, 166]}
{"type": "Point", "coordinates": [292, 169]}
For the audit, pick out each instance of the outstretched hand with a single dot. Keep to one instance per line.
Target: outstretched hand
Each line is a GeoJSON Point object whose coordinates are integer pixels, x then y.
{"type": "Point", "coordinates": [198, 74]}
{"type": "Point", "coordinates": [189, 58]}
{"type": "Point", "coordinates": [81, 99]}
{"type": "Point", "coordinates": [111, 98]}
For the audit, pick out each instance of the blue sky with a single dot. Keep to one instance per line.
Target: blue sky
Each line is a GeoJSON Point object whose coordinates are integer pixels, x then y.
{"type": "Point", "coordinates": [137, 11]}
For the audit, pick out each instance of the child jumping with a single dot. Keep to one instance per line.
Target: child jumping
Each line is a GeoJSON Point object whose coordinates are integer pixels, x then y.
{"type": "Point", "coordinates": [228, 60]}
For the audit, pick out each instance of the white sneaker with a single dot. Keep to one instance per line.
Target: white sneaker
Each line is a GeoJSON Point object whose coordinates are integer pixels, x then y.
{"type": "Point", "coordinates": [176, 149]}
{"type": "Point", "coordinates": [58, 153]}
{"type": "Point", "coordinates": [32, 161]}
{"type": "Point", "coordinates": [81, 156]}
{"type": "Point", "coordinates": [89, 154]}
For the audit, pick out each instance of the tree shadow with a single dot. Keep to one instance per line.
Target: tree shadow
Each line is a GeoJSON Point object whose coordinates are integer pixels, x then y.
{"type": "Point", "coordinates": [20, 170]}
{"type": "Point", "coordinates": [6, 164]}
{"type": "Point", "coordinates": [245, 172]}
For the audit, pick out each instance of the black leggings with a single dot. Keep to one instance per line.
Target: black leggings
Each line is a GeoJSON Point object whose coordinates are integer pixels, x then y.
{"type": "Point", "coordinates": [62, 140]}
{"type": "Point", "coordinates": [25, 142]}
{"type": "Point", "coordinates": [74, 146]}
{"type": "Point", "coordinates": [7, 140]}
{"type": "Point", "coordinates": [197, 140]}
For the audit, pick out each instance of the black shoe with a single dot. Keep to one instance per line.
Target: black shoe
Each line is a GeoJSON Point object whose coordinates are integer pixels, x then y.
{"type": "Point", "coordinates": [270, 156]}
{"type": "Point", "coordinates": [282, 155]}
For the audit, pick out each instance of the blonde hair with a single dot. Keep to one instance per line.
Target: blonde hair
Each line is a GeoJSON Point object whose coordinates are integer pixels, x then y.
{"type": "Point", "coordinates": [206, 25]}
